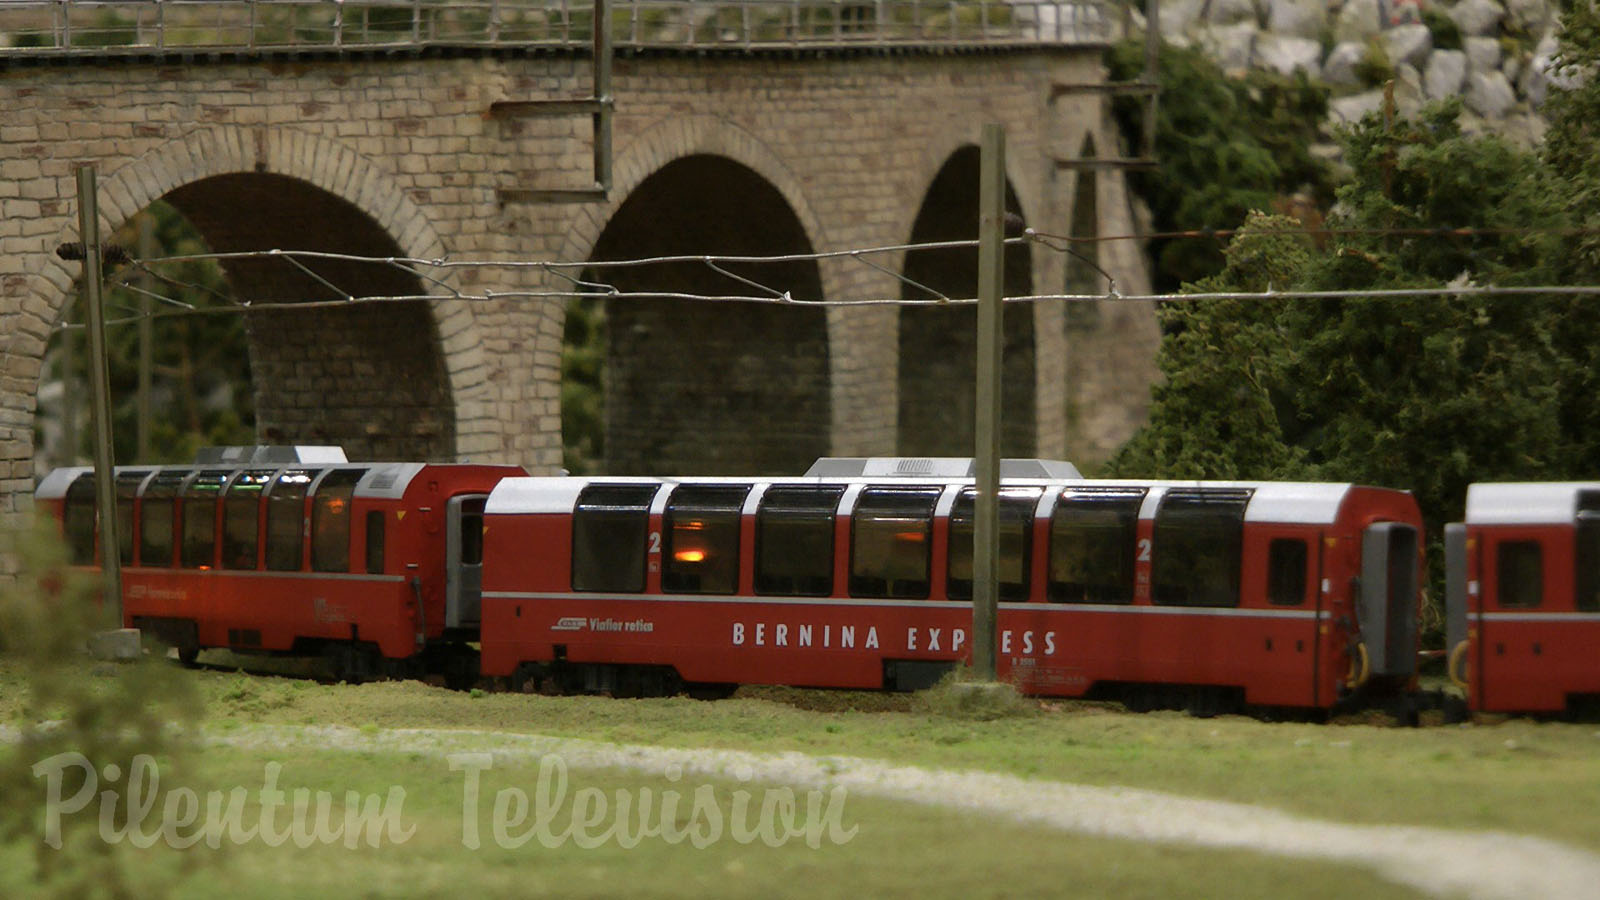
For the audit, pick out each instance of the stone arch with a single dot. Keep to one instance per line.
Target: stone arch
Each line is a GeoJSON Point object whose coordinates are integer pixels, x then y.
{"type": "Point", "coordinates": [693, 387]}
{"type": "Point", "coordinates": [219, 159]}
{"type": "Point", "coordinates": [938, 344]}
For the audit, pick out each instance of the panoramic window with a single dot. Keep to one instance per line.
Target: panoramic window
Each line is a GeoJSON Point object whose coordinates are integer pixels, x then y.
{"type": "Point", "coordinates": [701, 550]}
{"type": "Point", "coordinates": [1199, 535]}
{"type": "Point", "coordinates": [1521, 574]}
{"type": "Point", "coordinates": [78, 519]}
{"type": "Point", "coordinates": [331, 518]}
{"type": "Point", "coordinates": [241, 520]}
{"type": "Point", "coordinates": [794, 540]}
{"type": "Point", "coordinates": [200, 519]}
{"type": "Point", "coordinates": [286, 518]}
{"type": "Point", "coordinates": [1286, 572]}
{"type": "Point", "coordinates": [1017, 506]}
{"type": "Point", "coordinates": [157, 518]}
{"type": "Point", "coordinates": [1587, 552]}
{"type": "Point", "coordinates": [609, 531]}
{"type": "Point", "coordinates": [1093, 534]}
{"type": "Point", "coordinates": [127, 491]}
{"type": "Point", "coordinates": [890, 537]}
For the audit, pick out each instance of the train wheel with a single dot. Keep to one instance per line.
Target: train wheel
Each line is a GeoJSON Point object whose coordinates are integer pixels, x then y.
{"type": "Point", "coordinates": [189, 655]}
{"type": "Point", "coordinates": [352, 663]}
{"type": "Point", "coordinates": [710, 691]}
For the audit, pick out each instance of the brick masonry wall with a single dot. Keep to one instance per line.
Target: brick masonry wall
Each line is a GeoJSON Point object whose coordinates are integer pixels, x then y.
{"type": "Point", "coordinates": [850, 143]}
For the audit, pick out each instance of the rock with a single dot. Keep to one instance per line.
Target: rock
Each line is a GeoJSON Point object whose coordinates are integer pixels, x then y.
{"type": "Point", "coordinates": [1531, 16]}
{"type": "Point", "coordinates": [1232, 12]}
{"type": "Point", "coordinates": [1446, 70]}
{"type": "Point", "coordinates": [1524, 130]}
{"type": "Point", "coordinates": [1483, 53]}
{"type": "Point", "coordinates": [1409, 44]}
{"type": "Point", "coordinates": [1357, 20]}
{"type": "Point", "coordinates": [1349, 110]}
{"type": "Point", "coordinates": [1178, 16]}
{"type": "Point", "coordinates": [1408, 98]}
{"type": "Point", "coordinates": [1489, 94]}
{"type": "Point", "coordinates": [1232, 46]}
{"type": "Point", "coordinates": [1284, 54]}
{"type": "Point", "coordinates": [1297, 18]}
{"type": "Point", "coordinates": [1477, 18]}
{"type": "Point", "coordinates": [1512, 67]}
{"type": "Point", "coordinates": [1340, 66]}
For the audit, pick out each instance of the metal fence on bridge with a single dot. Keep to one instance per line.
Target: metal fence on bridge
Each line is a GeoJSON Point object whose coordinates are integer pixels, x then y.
{"type": "Point", "coordinates": [133, 27]}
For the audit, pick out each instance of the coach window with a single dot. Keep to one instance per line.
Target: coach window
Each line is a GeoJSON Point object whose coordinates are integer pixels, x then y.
{"type": "Point", "coordinates": [1198, 538]}
{"type": "Point", "coordinates": [330, 520]}
{"type": "Point", "coordinates": [286, 518]}
{"type": "Point", "coordinates": [200, 519]}
{"type": "Point", "coordinates": [609, 530]}
{"type": "Point", "coordinates": [127, 490]}
{"type": "Point", "coordinates": [241, 520]}
{"type": "Point", "coordinates": [701, 539]}
{"type": "Point", "coordinates": [1092, 538]}
{"type": "Point", "coordinates": [78, 519]}
{"type": "Point", "coordinates": [1521, 574]}
{"type": "Point", "coordinates": [158, 518]}
{"type": "Point", "coordinates": [890, 538]}
{"type": "Point", "coordinates": [375, 543]}
{"type": "Point", "coordinates": [1286, 572]}
{"type": "Point", "coordinates": [794, 540]}
{"type": "Point", "coordinates": [1016, 543]}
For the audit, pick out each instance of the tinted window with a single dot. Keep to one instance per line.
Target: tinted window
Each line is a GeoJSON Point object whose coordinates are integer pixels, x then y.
{"type": "Point", "coordinates": [1286, 572]}
{"type": "Point", "coordinates": [890, 535]}
{"type": "Point", "coordinates": [702, 539]}
{"type": "Point", "coordinates": [1198, 537]}
{"type": "Point", "coordinates": [78, 519]}
{"type": "Point", "coordinates": [472, 532]}
{"type": "Point", "coordinates": [330, 520]}
{"type": "Point", "coordinates": [1093, 535]}
{"type": "Point", "coordinates": [157, 518]}
{"type": "Point", "coordinates": [200, 519]}
{"type": "Point", "coordinates": [375, 542]}
{"type": "Point", "coordinates": [1017, 506]}
{"type": "Point", "coordinates": [609, 528]}
{"type": "Point", "coordinates": [794, 540]}
{"type": "Point", "coordinates": [241, 520]}
{"type": "Point", "coordinates": [127, 489]}
{"type": "Point", "coordinates": [286, 515]}
{"type": "Point", "coordinates": [1521, 574]}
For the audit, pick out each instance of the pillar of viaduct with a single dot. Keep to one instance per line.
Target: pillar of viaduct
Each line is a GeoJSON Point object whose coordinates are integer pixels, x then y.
{"type": "Point", "coordinates": [740, 153]}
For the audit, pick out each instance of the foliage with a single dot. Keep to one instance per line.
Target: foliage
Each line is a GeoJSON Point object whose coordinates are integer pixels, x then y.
{"type": "Point", "coordinates": [1224, 146]}
{"type": "Point", "coordinates": [200, 370]}
{"type": "Point", "coordinates": [1428, 393]}
{"type": "Point", "coordinates": [109, 713]}
{"type": "Point", "coordinates": [583, 359]}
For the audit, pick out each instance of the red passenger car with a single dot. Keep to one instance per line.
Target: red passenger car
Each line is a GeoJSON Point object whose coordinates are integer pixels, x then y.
{"type": "Point", "coordinates": [1203, 594]}
{"type": "Point", "coordinates": [1523, 598]}
{"type": "Point", "coordinates": [295, 550]}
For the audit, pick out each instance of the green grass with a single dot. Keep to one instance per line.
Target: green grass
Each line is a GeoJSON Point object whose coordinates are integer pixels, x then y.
{"type": "Point", "coordinates": [1514, 775]}
{"type": "Point", "coordinates": [897, 851]}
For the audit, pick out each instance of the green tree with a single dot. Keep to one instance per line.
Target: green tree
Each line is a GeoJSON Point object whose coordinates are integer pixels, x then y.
{"type": "Point", "coordinates": [1223, 146]}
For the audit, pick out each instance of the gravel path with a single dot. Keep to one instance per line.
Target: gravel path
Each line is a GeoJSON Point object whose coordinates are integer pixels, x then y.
{"type": "Point", "coordinates": [1478, 865]}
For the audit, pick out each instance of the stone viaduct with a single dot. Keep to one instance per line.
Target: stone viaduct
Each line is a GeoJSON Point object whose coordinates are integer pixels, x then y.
{"type": "Point", "coordinates": [747, 150]}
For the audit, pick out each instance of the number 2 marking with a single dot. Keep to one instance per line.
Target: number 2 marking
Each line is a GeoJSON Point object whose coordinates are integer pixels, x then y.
{"type": "Point", "coordinates": [655, 542]}
{"type": "Point", "coordinates": [1144, 550]}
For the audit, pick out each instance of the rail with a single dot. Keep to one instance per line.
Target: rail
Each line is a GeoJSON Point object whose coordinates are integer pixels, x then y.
{"type": "Point", "coordinates": [143, 27]}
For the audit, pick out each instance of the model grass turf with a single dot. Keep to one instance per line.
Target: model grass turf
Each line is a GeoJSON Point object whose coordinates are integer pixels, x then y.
{"type": "Point", "coordinates": [1515, 775]}
{"type": "Point", "coordinates": [898, 851]}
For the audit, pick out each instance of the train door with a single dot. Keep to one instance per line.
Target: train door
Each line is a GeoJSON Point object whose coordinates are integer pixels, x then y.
{"type": "Point", "coordinates": [464, 561]}
{"type": "Point", "coordinates": [1457, 611]}
{"type": "Point", "coordinates": [1387, 605]}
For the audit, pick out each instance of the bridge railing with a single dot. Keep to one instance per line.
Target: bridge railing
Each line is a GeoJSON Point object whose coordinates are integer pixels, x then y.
{"type": "Point", "coordinates": [111, 27]}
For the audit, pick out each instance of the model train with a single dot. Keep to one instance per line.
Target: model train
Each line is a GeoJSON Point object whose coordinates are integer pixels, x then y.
{"type": "Point", "coordinates": [1206, 595]}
